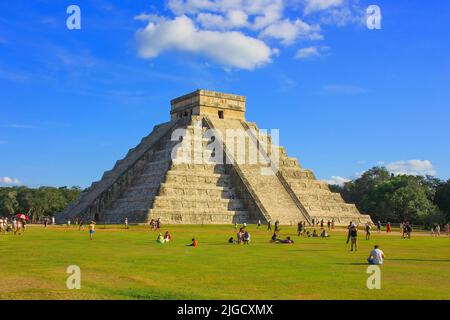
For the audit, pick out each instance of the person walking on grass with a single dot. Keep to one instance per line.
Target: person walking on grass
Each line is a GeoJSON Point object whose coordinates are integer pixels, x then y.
{"type": "Point", "coordinates": [259, 224]}
{"type": "Point", "coordinates": [349, 227]}
{"type": "Point", "coordinates": [376, 256]}
{"type": "Point", "coordinates": [407, 229]}
{"type": "Point", "coordinates": [388, 227]}
{"type": "Point", "coordinates": [354, 238]}
{"type": "Point", "coordinates": [367, 231]}
{"type": "Point", "coordinates": [277, 223]}
{"type": "Point", "coordinates": [437, 230]}
{"type": "Point", "coordinates": [91, 230]}
{"type": "Point", "coordinates": [299, 228]}
{"type": "Point", "coordinates": [269, 225]}
{"type": "Point", "coordinates": [126, 222]}
{"type": "Point", "coordinates": [379, 226]}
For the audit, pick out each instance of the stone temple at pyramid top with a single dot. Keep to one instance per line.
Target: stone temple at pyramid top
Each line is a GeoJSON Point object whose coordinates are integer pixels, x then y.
{"type": "Point", "coordinates": [210, 104]}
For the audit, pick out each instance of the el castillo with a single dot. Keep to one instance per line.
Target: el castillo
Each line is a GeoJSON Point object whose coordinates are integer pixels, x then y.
{"type": "Point", "coordinates": [154, 182]}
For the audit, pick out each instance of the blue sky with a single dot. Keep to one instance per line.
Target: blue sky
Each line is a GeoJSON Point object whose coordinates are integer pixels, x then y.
{"type": "Point", "coordinates": [344, 97]}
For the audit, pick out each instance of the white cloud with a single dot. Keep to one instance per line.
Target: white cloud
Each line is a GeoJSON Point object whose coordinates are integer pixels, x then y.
{"type": "Point", "coordinates": [319, 5]}
{"type": "Point", "coordinates": [287, 31]}
{"type": "Point", "coordinates": [337, 180]}
{"type": "Point", "coordinates": [233, 20]}
{"type": "Point", "coordinates": [9, 181]}
{"type": "Point", "coordinates": [234, 33]}
{"type": "Point", "coordinates": [262, 12]}
{"type": "Point", "coordinates": [310, 52]}
{"type": "Point", "coordinates": [229, 48]}
{"type": "Point", "coordinates": [412, 167]}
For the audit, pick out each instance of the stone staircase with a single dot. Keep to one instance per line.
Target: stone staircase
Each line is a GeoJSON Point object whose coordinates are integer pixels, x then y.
{"type": "Point", "coordinates": [316, 195]}
{"type": "Point", "coordinates": [102, 194]}
{"type": "Point", "coordinates": [272, 196]}
{"type": "Point", "coordinates": [198, 193]}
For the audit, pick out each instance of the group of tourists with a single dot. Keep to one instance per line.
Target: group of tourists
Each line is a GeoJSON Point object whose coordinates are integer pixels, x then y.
{"type": "Point", "coordinates": [269, 225]}
{"type": "Point", "coordinates": [46, 221]}
{"type": "Point", "coordinates": [164, 239]}
{"type": "Point", "coordinates": [406, 230]}
{"type": "Point", "coordinates": [321, 223]}
{"type": "Point", "coordinates": [17, 226]}
{"type": "Point", "coordinates": [78, 221]}
{"type": "Point", "coordinates": [436, 229]}
{"type": "Point", "coordinates": [155, 224]}
{"type": "Point", "coordinates": [242, 236]}
{"type": "Point", "coordinates": [276, 239]}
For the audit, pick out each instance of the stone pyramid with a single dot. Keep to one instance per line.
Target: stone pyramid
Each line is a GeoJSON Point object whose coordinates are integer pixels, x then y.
{"type": "Point", "coordinates": [192, 171]}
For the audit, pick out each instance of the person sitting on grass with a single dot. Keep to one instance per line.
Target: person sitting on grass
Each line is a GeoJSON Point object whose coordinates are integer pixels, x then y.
{"type": "Point", "coordinates": [160, 239]}
{"type": "Point", "coordinates": [167, 237]}
{"type": "Point", "coordinates": [274, 237]}
{"type": "Point", "coordinates": [376, 256]}
{"type": "Point", "coordinates": [314, 234]}
{"type": "Point", "coordinates": [286, 241]}
{"type": "Point", "coordinates": [324, 234]}
{"type": "Point", "coordinates": [232, 241]}
{"type": "Point", "coordinates": [308, 234]}
{"type": "Point", "coordinates": [193, 244]}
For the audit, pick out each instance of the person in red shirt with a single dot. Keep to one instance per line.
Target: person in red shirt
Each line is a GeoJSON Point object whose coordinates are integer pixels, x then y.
{"type": "Point", "coordinates": [388, 227]}
{"type": "Point", "coordinates": [194, 243]}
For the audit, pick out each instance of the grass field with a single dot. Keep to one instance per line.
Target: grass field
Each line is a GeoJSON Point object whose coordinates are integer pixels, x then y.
{"type": "Point", "coordinates": [128, 264]}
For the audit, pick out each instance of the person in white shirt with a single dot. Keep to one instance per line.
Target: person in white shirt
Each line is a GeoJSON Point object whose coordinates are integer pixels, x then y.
{"type": "Point", "coordinates": [376, 256]}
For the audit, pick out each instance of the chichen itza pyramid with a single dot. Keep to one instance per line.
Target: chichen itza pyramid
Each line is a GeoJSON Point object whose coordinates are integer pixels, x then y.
{"type": "Point", "coordinates": [183, 174]}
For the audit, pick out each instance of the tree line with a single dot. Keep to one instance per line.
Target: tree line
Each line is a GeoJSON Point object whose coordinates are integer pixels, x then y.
{"type": "Point", "coordinates": [39, 202]}
{"type": "Point", "coordinates": [382, 195]}
{"type": "Point", "coordinates": [395, 198]}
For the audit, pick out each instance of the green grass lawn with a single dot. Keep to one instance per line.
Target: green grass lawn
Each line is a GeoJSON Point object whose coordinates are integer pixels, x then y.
{"type": "Point", "coordinates": [128, 264]}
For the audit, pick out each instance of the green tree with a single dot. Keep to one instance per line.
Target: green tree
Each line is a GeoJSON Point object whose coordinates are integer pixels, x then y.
{"type": "Point", "coordinates": [442, 198]}
{"type": "Point", "coordinates": [8, 202]}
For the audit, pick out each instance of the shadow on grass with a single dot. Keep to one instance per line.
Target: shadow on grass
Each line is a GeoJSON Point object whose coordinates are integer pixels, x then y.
{"type": "Point", "coordinates": [354, 264]}
{"type": "Point", "coordinates": [415, 260]}
{"type": "Point", "coordinates": [424, 260]}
